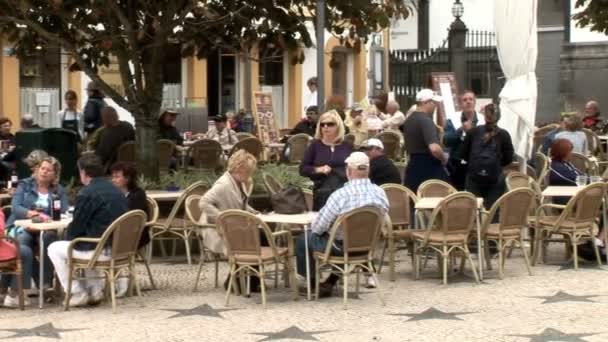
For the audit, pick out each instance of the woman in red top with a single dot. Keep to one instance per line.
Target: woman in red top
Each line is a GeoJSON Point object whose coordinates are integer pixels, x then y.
{"type": "Point", "coordinates": [7, 252]}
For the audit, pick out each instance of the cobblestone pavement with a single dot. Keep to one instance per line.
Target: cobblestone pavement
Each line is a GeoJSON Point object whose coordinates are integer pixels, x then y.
{"type": "Point", "coordinates": [555, 304]}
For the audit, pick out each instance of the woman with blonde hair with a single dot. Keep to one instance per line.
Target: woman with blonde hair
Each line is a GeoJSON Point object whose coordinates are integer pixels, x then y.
{"type": "Point", "coordinates": [33, 199]}
{"type": "Point", "coordinates": [230, 191]}
{"type": "Point", "coordinates": [324, 159]}
{"type": "Point", "coordinates": [574, 133]}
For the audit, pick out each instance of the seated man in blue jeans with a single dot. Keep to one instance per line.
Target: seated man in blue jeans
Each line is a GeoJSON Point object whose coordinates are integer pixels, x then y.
{"type": "Point", "coordinates": [358, 192]}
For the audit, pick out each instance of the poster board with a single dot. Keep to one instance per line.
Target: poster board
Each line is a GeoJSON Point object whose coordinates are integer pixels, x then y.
{"type": "Point", "coordinates": [265, 119]}
{"type": "Point", "coordinates": [444, 84]}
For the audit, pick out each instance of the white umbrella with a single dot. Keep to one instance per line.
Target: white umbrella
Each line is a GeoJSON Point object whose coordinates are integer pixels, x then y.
{"type": "Point", "coordinates": [516, 38]}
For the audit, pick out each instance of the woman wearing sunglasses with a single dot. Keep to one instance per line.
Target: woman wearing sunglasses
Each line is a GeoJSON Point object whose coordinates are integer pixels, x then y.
{"type": "Point", "coordinates": [324, 159]}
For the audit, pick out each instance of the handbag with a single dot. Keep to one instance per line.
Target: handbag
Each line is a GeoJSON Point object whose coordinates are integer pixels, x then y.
{"type": "Point", "coordinates": [289, 200]}
{"type": "Point", "coordinates": [324, 188]}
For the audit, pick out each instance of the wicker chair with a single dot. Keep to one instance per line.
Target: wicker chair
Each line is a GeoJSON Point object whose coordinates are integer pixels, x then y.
{"type": "Point", "coordinates": [575, 222]}
{"type": "Point", "coordinates": [542, 164]}
{"type": "Point", "coordinates": [593, 142]}
{"type": "Point", "coordinates": [153, 212]}
{"type": "Point", "coordinates": [361, 228]}
{"type": "Point", "coordinates": [124, 234]}
{"type": "Point", "coordinates": [244, 135]}
{"type": "Point", "coordinates": [513, 208]}
{"type": "Point", "coordinates": [541, 133]}
{"type": "Point", "coordinates": [582, 163]}
{"type": "Point", "coordinates": [392, 144]}
{"type": "Point", "coordinates": [240, 231]}
{"type": "Point", "coordinates": [272, 185]}
{"type": "Point", "coordinates": [251, 145]}
{"type": "Point", "coordinates": [514, 166]}
{"type": "Point", "coordinates": [297, 145]}
{"type": "Point", "coordinates": [172, 227]}
{"type": "Point", "coordinates": [207, 154]}
{"type": "Point", "coordinates": [193, 212]}
{"type": "Point", "coordinates": [517, 180]}
{"type": "Point", "coordinates": [165, 149]}
{"type": "Point", "coordinates": [449, 229]}
{"type": "Point", "coordinates": [435, 188]}
{"type": "Point", "coordinates": [400, 201]}
{"type": "Point", "coordinates": [309, 198]}
{"type": "Point", "coordinates": [13, 267]}
{"type": "Point", "coordinates": [126, 152]}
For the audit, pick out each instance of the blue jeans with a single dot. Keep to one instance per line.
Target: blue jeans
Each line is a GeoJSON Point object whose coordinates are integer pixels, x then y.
{"type": "Point", "coordinates": [27, 262]}
{"type": "Point", "coordinates": [316, 243]}
{"type": "Point", "coordinates": [28, 244]}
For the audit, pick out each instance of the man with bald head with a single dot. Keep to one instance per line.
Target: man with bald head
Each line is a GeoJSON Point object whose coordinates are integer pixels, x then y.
{"type": "Point", "coordinates": [394, 117]}
{"type": "Point", "coordinates": [114, 134]}
{"type": "Point", "coordinates": [592, 118]}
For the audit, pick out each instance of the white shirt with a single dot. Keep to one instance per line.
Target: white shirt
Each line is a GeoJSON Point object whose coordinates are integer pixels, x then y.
{"type": "Point", "coordinates": [67, 114]}
{"type": "Point", "coordinates": [392, 121]}
{"type": "Point", "coordinates": [457, 121]}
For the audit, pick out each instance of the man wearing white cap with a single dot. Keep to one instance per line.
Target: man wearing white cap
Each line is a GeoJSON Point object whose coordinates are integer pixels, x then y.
{"type": "Point", "coordinates": [382, 169]}
{"type": "Point", "coordinates": [358, 192]}
{"type": "Point", "coordinates": [422, 144]}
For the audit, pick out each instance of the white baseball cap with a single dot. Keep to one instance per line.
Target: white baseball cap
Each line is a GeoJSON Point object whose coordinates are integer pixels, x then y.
{"type": "Point", "coordinates": [359, 160]}
{"type": "Point", "coordinates": [426, 95]}
{"type": "Point", "coordinates": [373, 142]}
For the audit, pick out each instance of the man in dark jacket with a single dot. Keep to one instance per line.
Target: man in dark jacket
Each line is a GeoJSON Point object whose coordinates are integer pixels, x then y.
{"type": "Point", "coordinates": [114, 134]}
{"type": "Point", "coordinates": [382, 169]}
{"type": "Point", "coordinates": [98, 204]}
{"type": "Point", "coordinates": [309, 124]}
{"type": "Point", "coordinates": [166, 127]}
{"type": "Point", "coordinates": [92, 109]}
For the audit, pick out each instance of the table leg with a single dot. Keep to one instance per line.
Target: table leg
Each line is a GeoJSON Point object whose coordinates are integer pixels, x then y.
{"type": "Point", "coordinates": [479, 249]}
{"type": "Point", "coordinates": [41, 270]}
{"type": "Point", "coordinates": [307, 262]}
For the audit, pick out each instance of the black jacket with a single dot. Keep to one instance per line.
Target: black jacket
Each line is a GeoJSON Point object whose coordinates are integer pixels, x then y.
{"type": "Point", "coordinates": [136, 200]}
{"type": "Point", "coordinates": [110, 140]}
{"type": "Point", "coordinates": [92, 113]}
{"type": "Point", "coordinates": [304, 126]}
{"type": "Point", "coordinates": [97, 206]}
{"type": "Point", "coordinates": [503, 141]}
{"type": "Point", "coordinates": [170, 133]}
{"type": "Point", "coordinates": [383, 171]}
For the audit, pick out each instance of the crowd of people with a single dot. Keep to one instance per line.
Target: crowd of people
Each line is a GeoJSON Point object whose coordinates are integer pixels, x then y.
{"type": "Point", "coordinates": [470, 154]}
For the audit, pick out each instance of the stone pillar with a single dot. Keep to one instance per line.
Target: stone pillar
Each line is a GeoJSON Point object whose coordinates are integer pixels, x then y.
{"type": "Point", "coordinates": [457, 51]}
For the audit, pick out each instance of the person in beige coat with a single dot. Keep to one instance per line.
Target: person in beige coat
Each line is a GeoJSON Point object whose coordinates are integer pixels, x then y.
{"type": "Point", "coordinates": [230, 191]}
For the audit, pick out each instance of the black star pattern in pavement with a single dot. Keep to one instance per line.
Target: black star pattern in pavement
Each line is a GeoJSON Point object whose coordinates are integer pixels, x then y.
{"type": "Point", "coordinates": [551, 335]}
{"type": "Point", "coordinates": [291, 333]}
{"type": "Point", "coordinates": [201, 310]}
{"type": "Point", "coordinates": [561, 296]}
{"type": "Point", "coordinates": [45, 330]}
{"type": "Point", "coordinates": [433, 313]}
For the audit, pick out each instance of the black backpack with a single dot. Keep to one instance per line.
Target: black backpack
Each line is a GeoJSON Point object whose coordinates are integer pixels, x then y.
{"type": "Point", "coordinates": [484, 161]}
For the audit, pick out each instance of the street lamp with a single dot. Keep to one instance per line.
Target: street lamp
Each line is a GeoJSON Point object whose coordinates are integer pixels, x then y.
{"type": "Point", "coordinates": [457, 9]}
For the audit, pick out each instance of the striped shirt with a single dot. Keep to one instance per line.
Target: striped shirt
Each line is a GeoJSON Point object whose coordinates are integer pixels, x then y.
{"type": "Point", "coordinates": [355, 194]}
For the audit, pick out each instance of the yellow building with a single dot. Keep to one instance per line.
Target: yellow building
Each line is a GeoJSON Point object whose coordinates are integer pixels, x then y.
{"type": "Point", "coordinates": [36, 84]}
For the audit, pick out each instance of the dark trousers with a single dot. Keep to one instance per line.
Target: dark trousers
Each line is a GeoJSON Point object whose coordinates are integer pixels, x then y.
{"type": "Point", "coordinates": [422, 167]}
{"type": "Point", "coordinates": [458, 173]}
{"type": "Point", "coordinates": [489, 192]}
{"type": "Point", "coordinates": [316, 243]}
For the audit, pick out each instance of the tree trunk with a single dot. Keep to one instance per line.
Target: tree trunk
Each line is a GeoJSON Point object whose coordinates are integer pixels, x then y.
{"type": "Point", "coordinates": [146, 133]}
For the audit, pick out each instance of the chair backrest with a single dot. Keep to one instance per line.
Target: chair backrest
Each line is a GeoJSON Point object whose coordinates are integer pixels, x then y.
{"type": "Point", "coordinates": [271, 184]}
{"type": "Point", "coordinates": [593, 141]}
{"type": "Point", "coordinates": [350, 138]}
{"type": "Point", "coordinates": [152, 210]}
{"type": "Point", "coordinates": [454, 216]}
{"type": "Point", "coordinates": [193, 210]}
{"type": "Point", "coordinates": [244, 135]}
{"type": "Point", "coordinates": [297, 147]}
{"type": "Point", "coordinates": [584, 207]}
{"type": "Point", "coordinates": [164, 150]}
{"type": "Point", "coordinates": [517, 180]}
{"type": "Point", "coordinates": [400, 200]}
{"type": "Point", "coordinates": [541, 133]}
{"type": "Point", "coordinates": [361, 228]}
{"type": "Point", "coordinates": [206, 154]}
{"type": "Point", "coordinates": [197, 188]}
{"type": "Point", "coordinates": [513, 208]}
{"type": "Point", "coordinates": [392, 144]}
{"type": "Point", "coordinates": [514, 167]}
{"type": "Point", "coordinates": [126, 152]}
{"type": "Point", "coordinates": [251, 145]}
{"type": "Point", "coordinates": [309, 198]}
{"type": "Point", "coordinates": [435, 188]}
{"type": "Point", "coordinates": [125, 233]}
{"type": "Point", "coordinates": [542, 163]}
{"type": "Point", "coordinates": [580, 162]}
{"type": "Point", "coordinates": [240, 231]}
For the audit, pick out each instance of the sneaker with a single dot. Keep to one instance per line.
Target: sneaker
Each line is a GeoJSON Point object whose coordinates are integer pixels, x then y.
{"type": "Point", "coordinates": [369, 283]}
{"type": "Point", "coordinates": [13, 302]}
{"type": "Point", "coordinates": [96, 298]}
{"type": "Point", "coordinates": [79, 299]}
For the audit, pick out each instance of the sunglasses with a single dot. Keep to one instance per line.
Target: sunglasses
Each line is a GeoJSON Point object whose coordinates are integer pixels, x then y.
{"type": "Point", "coordinates": [327, 124]}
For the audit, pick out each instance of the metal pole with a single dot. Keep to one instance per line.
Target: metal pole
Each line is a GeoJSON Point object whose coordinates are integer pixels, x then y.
{"type": "Point", "coordinates": [321, 55]}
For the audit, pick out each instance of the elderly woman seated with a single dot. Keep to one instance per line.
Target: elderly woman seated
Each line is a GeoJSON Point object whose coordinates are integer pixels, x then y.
{"type": "Point", "coordinates": [230, 191]}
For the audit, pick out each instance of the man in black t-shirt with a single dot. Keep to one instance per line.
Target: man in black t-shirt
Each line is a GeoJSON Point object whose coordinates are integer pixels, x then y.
{"type": "Point", "coordinates": [382, 169]}
{"type": "Point", "coordinates": [114, 134]}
